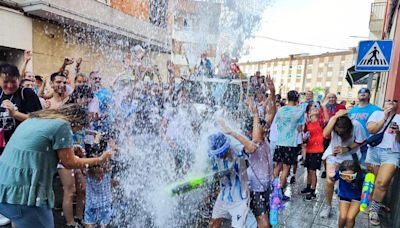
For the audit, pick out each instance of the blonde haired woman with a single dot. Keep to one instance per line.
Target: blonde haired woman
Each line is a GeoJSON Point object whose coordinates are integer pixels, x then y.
{"type": "Point", "coordinates": [30, 159]}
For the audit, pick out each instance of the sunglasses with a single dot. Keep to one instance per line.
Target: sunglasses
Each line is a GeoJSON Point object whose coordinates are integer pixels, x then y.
{"type": "Point", "coordinates": [347, 177]}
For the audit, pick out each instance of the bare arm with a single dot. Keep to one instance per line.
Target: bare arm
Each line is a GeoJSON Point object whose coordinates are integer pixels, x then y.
{"type": "Point", "coordinates": [271, 110]}
{"type": "Point", "coordinates": [257, 130]}
{"type": "Point", "coordinates": [331, 124]}
{"type": "Point", "coordinates": [249, 146]}
{"type": "Point", "coordinates": [70, 161]}
{"type": "Point", "coordinates": [27, 57]}
{"type": "Point", "coordinates": [375, 127]}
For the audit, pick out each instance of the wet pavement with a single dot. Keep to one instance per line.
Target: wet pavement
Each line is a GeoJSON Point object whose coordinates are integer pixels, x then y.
{"type": "Point", "coordinates": [297, 214]}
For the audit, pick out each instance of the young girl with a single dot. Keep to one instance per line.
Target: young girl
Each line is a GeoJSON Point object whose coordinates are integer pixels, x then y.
{"type": "Point", "coordinates": [351, 179]}
{"type": "Point", "coordinates": [314, 150]}
{"type": "Point", "coordinates": [98, 196]}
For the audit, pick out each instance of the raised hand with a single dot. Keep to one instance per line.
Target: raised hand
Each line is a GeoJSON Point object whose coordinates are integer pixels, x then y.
{"type": "Point", "coordinates": [224, 127]}
{"type": "Point", "coordinates": [68, 61]}
{"type": "Point", "coordinates": [78, 61]}
{"type": "Point", "coordinates": [269, 83]}
{"type": "Point", "coordinates": [27, 55]}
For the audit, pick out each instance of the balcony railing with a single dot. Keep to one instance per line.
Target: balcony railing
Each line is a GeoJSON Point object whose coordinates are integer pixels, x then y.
{"type": "Point", "coordinates": [377, 17]}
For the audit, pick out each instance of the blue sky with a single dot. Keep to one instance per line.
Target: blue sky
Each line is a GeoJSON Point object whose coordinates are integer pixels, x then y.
{"type": "Point", "coordinates": [318, 22]}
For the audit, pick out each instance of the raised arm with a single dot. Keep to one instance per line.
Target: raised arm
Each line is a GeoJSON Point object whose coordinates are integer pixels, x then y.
{"type": "Point", "coordinates": [27, 58]}
{"type": "Point", "coordinates": [67, 61]}
{"type": "Point", "coordinates": [271, 106]}
{"type": "Point", "coordinates": [249, 146]}
{"type": "Point", "coordinates": [257, 129]}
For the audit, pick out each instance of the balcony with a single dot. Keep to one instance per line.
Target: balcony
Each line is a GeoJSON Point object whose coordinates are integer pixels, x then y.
{"type": "Point", "coordinates": [377, 17]}
{"type": "Point", "coordinates": [95, 14]}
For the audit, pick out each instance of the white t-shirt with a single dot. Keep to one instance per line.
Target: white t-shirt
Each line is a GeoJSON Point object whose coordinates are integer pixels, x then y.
{"type": "Point", "coordinates": [93, 107]}
{"type": "Point", "coordinates": [389, 137]}
{"type": "Point", "coordinates": [273, 133]}
{"type": "Point", "coordinates": [359, 136]}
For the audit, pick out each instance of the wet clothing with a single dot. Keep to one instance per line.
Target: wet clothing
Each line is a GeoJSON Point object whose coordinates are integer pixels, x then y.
{"type": "Point", "coordinates": [259, 202]}
{"type": "Point", "coordinates": [29, 162]}
{"type": "Point", "coordinates": [333, 109]}
{"type": "Point", "coordinates": [315, 142]}
{"type": "Point", "coordinates": [98, 192]}
{"type": "Point", "coordinates": [286, 155]}
{"type": "Point", "coordinates": [313, 161]}
{"type": "Point", "coordinates": [287, 119]}
{"type": "Point", "coordinates": [260, 170]}
{"type": "Point", "coordinates": [25, 100]}
{"type": "Point", "coordinates": [350, 190]}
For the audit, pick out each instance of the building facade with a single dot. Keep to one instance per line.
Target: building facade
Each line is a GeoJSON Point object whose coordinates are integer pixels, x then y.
{"type": "Point", "coordinates": [99, 31]}
{"type": "Point", "coordinates": [303, 72]}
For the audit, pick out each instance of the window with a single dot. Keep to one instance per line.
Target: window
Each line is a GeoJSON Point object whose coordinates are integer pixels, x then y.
{"type": "Point", "coordinates": [340, 83]}
{"type": "Point", "coordinates": [309, 76]}
{"type": "Point", "coordinates": [310, 66]}
{"type": "Point", "coordinates": [289, 76]}
{"type": "Point", "coordinates": [300, 67]}
{"type": "Point", "coordinates": [329, 74]}
{"type": "Point", "coordinates": [328, 84]}
{"type": "Point", "coordinates": [321, 64]}
{"type": "Point", "coordinates": [299, 76]}
{"type": "Point", "coordinates": [321, 74]}
{"type": "Point", "coordinates": [298, 84]}
{"type": "Point", "coordinates": [330, 64]}
{"type": "Point", "coordinates": [319, 84]}
{"type": "Point", "coordinates": [158, 12]}
{"type": "Point", "coordinates": [186, 24]}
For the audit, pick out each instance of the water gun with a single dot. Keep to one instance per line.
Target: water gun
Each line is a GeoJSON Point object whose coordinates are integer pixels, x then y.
{"type": "Point", "coordinates": [368, 187]}
{"type": "Point", "coordinates": [276, 203]}
{"type": "Point", "coordinates": [198, 182]}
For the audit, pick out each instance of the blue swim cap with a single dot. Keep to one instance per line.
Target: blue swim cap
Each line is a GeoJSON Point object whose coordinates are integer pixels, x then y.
{"type": "Point", "coordinates": [218, 145]}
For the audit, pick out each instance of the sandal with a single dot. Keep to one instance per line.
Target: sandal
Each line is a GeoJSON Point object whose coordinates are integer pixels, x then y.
{"type": "Point", "coordinates": [374, 218]}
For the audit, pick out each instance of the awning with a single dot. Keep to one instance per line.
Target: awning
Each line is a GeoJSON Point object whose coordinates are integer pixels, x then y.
{"type": "Point", "coordinates": [354, 77]}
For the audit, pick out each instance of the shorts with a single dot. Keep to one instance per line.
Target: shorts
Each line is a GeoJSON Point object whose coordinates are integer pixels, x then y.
{"type": "Point", "coordinates": [379, 156]}
{"type": "Point", "coordinates": [100, 216]}
{"type": "Point", "coordinates": [235, 211]}
{"type": "Point", "coordinates": [286, 155]}
{"type": "Point", "coordinates": [259, 202]}
{"type": "Point", "coordinates": [349, 200]}
{"type": "Point", "coordinates": [313, 161]}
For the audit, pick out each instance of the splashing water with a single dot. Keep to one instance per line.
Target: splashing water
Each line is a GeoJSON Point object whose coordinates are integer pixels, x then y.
{"type": "Point", "coordinates": [162, 138]}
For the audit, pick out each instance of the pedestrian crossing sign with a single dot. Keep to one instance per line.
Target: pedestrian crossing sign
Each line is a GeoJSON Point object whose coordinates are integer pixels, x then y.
{"type": "Point", "coordinates": [374, 55]}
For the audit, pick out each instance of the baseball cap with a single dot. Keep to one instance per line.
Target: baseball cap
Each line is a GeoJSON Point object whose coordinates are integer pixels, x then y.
{"type": "Point", "coordinates": [364, 90]}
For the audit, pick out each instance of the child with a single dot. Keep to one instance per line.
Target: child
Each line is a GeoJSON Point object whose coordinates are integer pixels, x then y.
{"type": "Point", "coordinates": [314, 150]}
{"type": "Point", "coordinates": [98, 196]}
{"type": "Point", "coordinates": [351, 179]}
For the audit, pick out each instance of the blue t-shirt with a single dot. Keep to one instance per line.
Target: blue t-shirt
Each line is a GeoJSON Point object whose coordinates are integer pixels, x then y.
{"type": "Point", "coordinates": [287, 119]}
{"type": "Point", "coordinates": [362, 114]}
{"type": "Point", "coordinates": [349, 190]}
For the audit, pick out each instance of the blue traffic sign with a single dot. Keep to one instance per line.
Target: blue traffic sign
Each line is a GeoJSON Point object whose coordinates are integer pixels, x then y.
{"type": "Point", "coordinates": [374, 55]}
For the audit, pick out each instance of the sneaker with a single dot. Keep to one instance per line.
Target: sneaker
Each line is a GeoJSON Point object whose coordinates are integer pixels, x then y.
{"type": "Point", "coordinates": [306, 190]}
{"type": "Point", "coordinates": [323, 174]}
{"type": "Point", "coordinates": [285, 197]}
{"type": "Point", "coordinates": [4, 221]}
{"type": "Point", "coordinates": [325, 213]}
{"type": "Point", "coordinates": [292, 180]}
{"type": "Point", "coordinates": [310, 196]}
{"type": "Point", "coordinates": [374, 218]}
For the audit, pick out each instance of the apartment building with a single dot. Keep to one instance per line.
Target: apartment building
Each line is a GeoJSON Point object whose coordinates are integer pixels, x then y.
{"type": "Point", "coordinates": [304, 72]}
{"type": "Point", "coordinates": [99, 31]}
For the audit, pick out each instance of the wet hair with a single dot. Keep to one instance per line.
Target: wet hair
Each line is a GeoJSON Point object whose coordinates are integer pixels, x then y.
{"type": "Point", "coordinates": [344, 123]}
{"type": "Point", "coordinates": [9, 70]}
{"type": "Point", "coordinates": [81, 91]}
{"type": "Point", "coordinates": [82, 75]}
{"type": "Point", "coordinates": [72, 113]}
{"type": "Point", "coordinates": [293, 95]}
{"type": "Point", "coordinates": [57, 74]}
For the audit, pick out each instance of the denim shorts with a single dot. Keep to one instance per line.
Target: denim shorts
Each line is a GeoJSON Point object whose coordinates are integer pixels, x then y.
{"type": "Point", "coordinates": [100, 216]}
{"type": "Point", "coordinates": [28, 216]}
{"type": "Point", "coordinates": [379, 156]}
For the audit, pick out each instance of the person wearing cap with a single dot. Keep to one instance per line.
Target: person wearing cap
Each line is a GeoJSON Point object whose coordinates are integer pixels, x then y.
{"type": "Point", "coordinates": [288, 119]}
{"type": "Point", "coordinates": [227, 151]}
{"type": "Point", "coordinates": [362, 112]}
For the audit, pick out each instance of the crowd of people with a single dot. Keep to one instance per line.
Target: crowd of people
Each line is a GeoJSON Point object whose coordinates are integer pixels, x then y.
{"type": "Point", "coordinates": [70, 125]}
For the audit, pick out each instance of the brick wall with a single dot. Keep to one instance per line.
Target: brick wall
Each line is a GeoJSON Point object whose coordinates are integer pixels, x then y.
{"type": "Point", "coordinates": [136, 8]}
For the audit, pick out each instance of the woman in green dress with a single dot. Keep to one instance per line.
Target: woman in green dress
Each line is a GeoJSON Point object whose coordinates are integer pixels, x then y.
{"type": "Point", "coordinates": [29, 162]}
